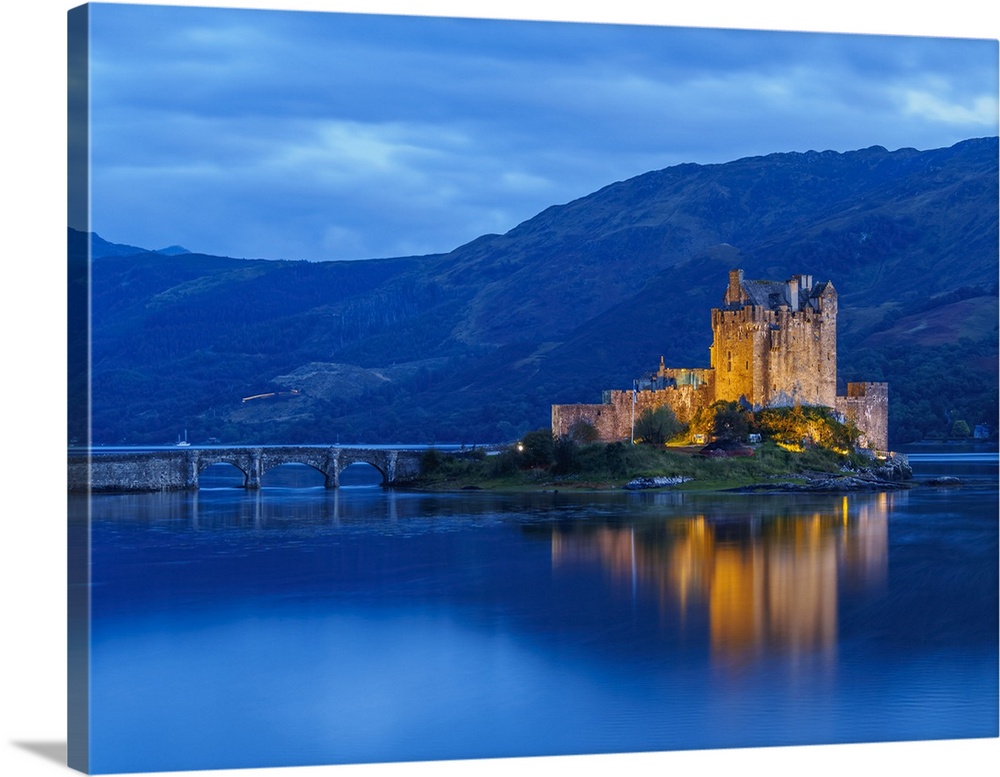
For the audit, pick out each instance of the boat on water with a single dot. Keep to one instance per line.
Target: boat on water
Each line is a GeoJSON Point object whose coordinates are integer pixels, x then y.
{"type": "Point", "coordinates": [183, 443]}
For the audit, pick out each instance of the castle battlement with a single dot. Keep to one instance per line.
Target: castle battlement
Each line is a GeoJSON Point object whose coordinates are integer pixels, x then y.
{"type": "Point", "coordinates": [774, 343]}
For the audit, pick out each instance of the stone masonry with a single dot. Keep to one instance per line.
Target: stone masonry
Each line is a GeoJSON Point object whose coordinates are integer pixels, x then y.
{"type": "Point", "coordinates": [179, 469]}
{"type": "Point", "coordinates": [774, 344]}
{"type": "Point", "coordinates": [867, 407]}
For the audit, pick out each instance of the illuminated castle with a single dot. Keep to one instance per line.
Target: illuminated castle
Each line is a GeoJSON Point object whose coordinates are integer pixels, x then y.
{"type": "Point", "coordinates": [774, 344]}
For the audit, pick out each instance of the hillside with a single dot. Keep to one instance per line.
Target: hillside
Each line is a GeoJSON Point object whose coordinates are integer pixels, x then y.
{"type": "Point", "coordinates": [474, 345]}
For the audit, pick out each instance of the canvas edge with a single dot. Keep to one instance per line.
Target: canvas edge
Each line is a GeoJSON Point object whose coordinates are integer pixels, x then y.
{"type": "Point", "coordinates": [78, 388]}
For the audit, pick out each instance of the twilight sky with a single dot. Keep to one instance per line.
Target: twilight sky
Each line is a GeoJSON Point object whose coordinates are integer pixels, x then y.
{"type": "Point", "coordinates": [303, 135]}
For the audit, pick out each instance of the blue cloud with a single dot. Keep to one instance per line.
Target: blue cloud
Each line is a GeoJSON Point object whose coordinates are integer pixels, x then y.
{"type": "Point", "coordinates": [342, 136]}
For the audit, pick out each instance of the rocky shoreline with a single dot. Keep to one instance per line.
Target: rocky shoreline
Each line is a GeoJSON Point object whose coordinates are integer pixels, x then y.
{"type": "Point", "coordinates": [827, 483]}
{"type": "Point", "coordinates": [892, 475]}
{"type": "Point", "coordinates": [637, 484]}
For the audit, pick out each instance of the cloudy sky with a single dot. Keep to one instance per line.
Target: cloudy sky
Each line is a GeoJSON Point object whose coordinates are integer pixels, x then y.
{"type": "Point", "coordinates": [305, 135]}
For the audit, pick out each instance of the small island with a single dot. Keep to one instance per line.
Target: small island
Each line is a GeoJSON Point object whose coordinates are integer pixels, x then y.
{"type": "Point", "coordinates": [798, 448]}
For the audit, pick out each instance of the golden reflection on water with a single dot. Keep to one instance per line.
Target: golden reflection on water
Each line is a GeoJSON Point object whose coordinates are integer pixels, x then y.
{"type": "Point", "coordinates": [764, 585]}
{"type": "Point", "coordinates": [764, 581]}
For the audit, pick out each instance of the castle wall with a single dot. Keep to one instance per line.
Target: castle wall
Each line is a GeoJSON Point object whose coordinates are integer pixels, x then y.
{"type": "Point", "coordinates": [802, 363]}
{"type": "Point", "coordinates": [694, 390]}
{"type": "Point", "coordinates": [613, 418]}
{"type": "Point", "coordinates": [740, 347]}
{"type": "Point", "coordinates": [867, 407]}
{"type": "Point", "coordinates": [606, 419]}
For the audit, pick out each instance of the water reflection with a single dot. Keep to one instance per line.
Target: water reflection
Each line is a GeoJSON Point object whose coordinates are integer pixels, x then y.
{"type": "Point", "coordinates": [364, 624]}
{"type": "Point", "coordinates": [261, 509]}
{"type": "Point", "coordinates": [765, 585]}
{"type": "Point", "coordinates": [475, 624]}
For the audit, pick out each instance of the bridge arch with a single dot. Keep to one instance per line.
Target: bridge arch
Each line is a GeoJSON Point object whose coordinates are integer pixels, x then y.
{"type": "Point", "coordinates": [221, 474]}
{"type": "Point", "coordinates": [271, 468]}
{"type": "Point", "coordinates": [160, 470]}
{"type": "Point", "coordinates": [373, 457]}
{"type": "Point", "coordinates": [206, 459]}
{"type": "Point", "coordinates": [361, 472]}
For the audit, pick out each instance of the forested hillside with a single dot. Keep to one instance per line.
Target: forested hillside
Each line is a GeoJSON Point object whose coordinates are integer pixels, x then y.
{"type": "Point", "coordinates": [476, 344]}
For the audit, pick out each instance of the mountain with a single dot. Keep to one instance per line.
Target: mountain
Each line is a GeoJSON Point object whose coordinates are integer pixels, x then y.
{"type": "Point", "coordinates": [100, 247]}
{"type": "Point", "coordinates": [476, 344]}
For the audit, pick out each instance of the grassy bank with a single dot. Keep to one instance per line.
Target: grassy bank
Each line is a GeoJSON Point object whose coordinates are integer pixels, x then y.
{"type": "Point", "coordinates": [603, 466]}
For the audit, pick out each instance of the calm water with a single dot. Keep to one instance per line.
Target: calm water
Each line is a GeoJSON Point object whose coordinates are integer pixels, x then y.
{"type": "Point", "coordinates": [297, 626]}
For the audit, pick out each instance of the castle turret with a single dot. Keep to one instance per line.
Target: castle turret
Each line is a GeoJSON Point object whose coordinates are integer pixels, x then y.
{"type": "Point", "coordinates": [775, 343]}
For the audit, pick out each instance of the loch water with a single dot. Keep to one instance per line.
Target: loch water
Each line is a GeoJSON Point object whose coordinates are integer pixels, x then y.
{"type": "Point", "coordinates": [298, 626]}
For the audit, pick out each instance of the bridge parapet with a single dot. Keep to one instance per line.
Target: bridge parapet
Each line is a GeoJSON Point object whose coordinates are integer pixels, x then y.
{"type": "Point", "coordinates": [166, 470]}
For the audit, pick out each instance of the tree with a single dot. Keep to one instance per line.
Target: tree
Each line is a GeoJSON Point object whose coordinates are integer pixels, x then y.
{"type": "Point", "coordinates": [732, 422]}
{"type": "Point", "coordinates": [960, 429]}
{"type": "Point", "coordinates": [430, 461]}
{"type": "Point", "coordinates": [537, 448]}
{"type": "Point", "coordinates": [657, 426]}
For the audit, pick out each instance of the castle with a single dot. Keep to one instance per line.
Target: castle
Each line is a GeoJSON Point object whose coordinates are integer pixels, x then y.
{"type": "Point", "coordinates": [774, 344]}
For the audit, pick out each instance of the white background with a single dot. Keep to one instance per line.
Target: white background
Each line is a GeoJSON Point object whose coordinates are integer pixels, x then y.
{"type": "Point", "coordinates": [32, 537]}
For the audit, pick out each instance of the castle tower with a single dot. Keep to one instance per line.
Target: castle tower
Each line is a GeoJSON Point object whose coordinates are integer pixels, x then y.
{"type": "Point", "coordinates": [775, 343]}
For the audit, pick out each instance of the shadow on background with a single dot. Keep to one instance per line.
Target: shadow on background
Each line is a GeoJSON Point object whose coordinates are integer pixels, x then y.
{"type": "Point", "coordinates": [53, 751]}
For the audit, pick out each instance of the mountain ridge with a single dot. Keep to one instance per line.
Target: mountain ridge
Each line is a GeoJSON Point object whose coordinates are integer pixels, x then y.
{"type": "Point", "coordinates": [99, 247]}
{"type": "Point", "coordinates": [583, 296]}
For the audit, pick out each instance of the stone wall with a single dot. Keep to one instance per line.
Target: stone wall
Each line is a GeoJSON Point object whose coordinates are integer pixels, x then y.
{"type": "Point", "coordinates": [123, 472]}
{"type": "Point", "coordinates": [606, 419]}
{"type": "Point", "coordinates": [776, 357]}
{"type": "Point", "coordinates": [802, 359]}
{"type": "Point", "coordinates": [740, 347]}
{"type": "Point", "coordinates": [612, 419]}
{"type": "Point", "coordinates": [867, 407]}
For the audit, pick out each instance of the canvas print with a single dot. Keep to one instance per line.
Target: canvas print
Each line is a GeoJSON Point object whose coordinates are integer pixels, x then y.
{"type": "Point", "coordinates": [449, 388]}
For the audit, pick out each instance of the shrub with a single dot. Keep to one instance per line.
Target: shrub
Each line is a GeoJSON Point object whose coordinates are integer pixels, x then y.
{"type": "Point", "coordinates": [538, 449]}
{"type": "Point", "coordinates": [504, 464]}
{"type": "Point", "coordinates": [614, 459]}
{"type": "Point", "coordinates": [430, 462]}
{"type": "Point", "coordinates": [565, 456]}
{"type": "Point", "coordinates": [657, 426]}
{"type": "Point", "coordinates": [816, 425]}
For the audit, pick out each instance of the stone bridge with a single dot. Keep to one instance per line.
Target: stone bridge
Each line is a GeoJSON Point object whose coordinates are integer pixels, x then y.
{"type": "Point", "coordinates": [165, 470]}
